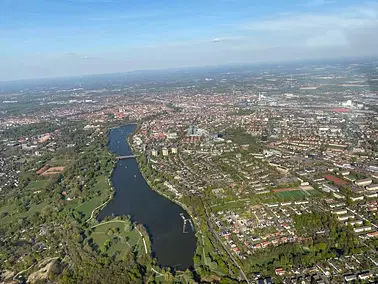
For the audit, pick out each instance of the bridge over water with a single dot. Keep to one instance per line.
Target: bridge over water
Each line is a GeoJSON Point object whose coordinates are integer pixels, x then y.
{"type": "Point", "coordinates": [125, 157]}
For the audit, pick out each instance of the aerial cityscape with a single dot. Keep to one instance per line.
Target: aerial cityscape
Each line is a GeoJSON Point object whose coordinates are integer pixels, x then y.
{"type": "Point", "coordinates": [201, 141]}
{"type": "Point", "coordinates": [245, 174]}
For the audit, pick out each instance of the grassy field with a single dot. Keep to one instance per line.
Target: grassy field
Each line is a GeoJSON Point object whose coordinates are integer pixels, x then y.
{"type": "Point", "coordinates": [297, 194]}
{"type": "Point", "coordinates": [8, 208]}
{"type": "Point", "coordinates": [292, 194]}
{"type": "Point", "coordinates": [14, 216]}
{"type": "Point", "coordinates": [240, 137]}
{"type": "Point", "coordinates": [101, 184]}
{"type": "Point", "coordinates": [87, 207]}
{"type": "Point", "coordinates": [122, 239]}
{"type": "Point", "coordinates": [36, 185]}
{"type": "Point", "coordinates": [314, 192]}
{"type": "Point", "coordinates": [101, 187]}
{"type": "Point", "coordinates": [289, 195]}
{"type": "Point", "coordinates": [58, 162]}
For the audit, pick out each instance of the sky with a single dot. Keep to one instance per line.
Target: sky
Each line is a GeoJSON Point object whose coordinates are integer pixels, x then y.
{"type": "Point", "coordinates": [53, 38]}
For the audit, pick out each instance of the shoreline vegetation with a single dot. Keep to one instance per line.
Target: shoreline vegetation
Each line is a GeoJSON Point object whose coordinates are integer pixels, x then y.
{"type": "Point", "coordinates": [96, 211]}
{"type": "Point", "coordinates": [196, 223]}
{"type": "Point", "coordinates": [142, 231]}
{"type": "Point", "coordinates": [200, 235]}
{"type": "Point", "coordinates": [61, 240]}
{"type": "Point", "coordinates": [184, 206]}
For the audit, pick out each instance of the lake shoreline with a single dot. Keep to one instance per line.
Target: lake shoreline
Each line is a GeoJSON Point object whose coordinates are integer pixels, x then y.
{"type": "Point", "coordinates": [133, 195]}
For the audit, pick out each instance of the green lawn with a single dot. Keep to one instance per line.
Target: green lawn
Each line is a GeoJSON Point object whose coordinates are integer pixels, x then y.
{"type": "Point", "coordinates": [122, 238]}
{"type": "Point", "coordinates": [314, 192]}
{"type": "Point", "coordinates": [87, 207]}
{"type": "Point", "coordinates": [297, 194]}
{"type": "Point", "coordinates": [238, 136]}
{"type": "Point", "coordinates": [36, 185]}
{"type": "Point", "coordinates": [292, 194]}
{"type": "Point", "coordinates": [58, 162]}
{"type": "Point", "coordinates": [8, 208]}
{"type": "Point", "coordinates": [16, 216]}
{"type": "Point", "coordinates": [101, 184]}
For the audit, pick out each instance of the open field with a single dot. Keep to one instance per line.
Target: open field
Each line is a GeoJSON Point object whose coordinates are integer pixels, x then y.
{"type": "Point", "coordinates": [56, 162]}
{"type": "Point", "coordinates": [101, 183]}
{"type": "Point", "coordinates": [13, 216]}
{"type": "Point", "coordinates": [121, 238]}
{"type": "Point", "coordinates": [7, 209]}
{"type": "Point", "coordinates": [101, 187]}
{"type": "Point", "coordinates": [36, 185]}
{"type": "Point", "coordinates": [292, 194]}
{"type": "Point", "coordinates": [87, 207]}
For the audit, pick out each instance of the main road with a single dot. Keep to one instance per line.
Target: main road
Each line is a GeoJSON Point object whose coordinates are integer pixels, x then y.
{"type": "Point", "coordinates": [215, 234]}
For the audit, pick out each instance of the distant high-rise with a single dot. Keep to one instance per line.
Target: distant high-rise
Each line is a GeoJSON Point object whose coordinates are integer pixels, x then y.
{"type": "Point", "coordinates": [192, 131]}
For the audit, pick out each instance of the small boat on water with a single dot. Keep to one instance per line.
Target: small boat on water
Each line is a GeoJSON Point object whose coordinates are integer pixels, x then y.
{"type": "Point", "coordinates": [134, 176]}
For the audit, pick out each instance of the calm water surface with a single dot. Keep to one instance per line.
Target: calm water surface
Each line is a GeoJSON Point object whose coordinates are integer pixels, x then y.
{"type": "Point", "coordinates": [159, 215]}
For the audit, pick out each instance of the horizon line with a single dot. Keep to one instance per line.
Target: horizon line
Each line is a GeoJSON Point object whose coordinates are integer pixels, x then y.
{"type": "Point", "coordinates": [236, 64]}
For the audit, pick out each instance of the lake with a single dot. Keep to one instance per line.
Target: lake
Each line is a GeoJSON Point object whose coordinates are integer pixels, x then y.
{"type": "Point", "coordinates": [159, 215]}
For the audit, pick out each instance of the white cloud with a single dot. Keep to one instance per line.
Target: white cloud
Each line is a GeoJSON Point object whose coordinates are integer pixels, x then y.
{"type": "Point", "coordinates": [334, 32]}
{"type": "Point", "coordinates": [331, 38]}
{"type": "Point", "coordinates": [370, 13]}
{"type": "Point", "coordinates": [77, 56]}
{"type": "Point", "coordinates": [354, 28]}
{"type": "Point", "coordinates": [312, 21]}
{"type": "Point", "coordinates": [228, 39]}
{"type": "Point", "coordinates": [360, 16]}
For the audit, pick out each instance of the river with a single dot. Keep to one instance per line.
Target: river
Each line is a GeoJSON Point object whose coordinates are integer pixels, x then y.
{"type": "Point", "coordinates": [159, 215]}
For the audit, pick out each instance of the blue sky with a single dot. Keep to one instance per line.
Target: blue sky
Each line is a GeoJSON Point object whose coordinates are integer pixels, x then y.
{"type": "Point", "coordinates": [50, 38]}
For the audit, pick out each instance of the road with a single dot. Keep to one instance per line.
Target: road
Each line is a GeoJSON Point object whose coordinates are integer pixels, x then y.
{"type": "Point", "coordinates": [113, 221]}
{"type": "Point", "coordinates": [102, 205]}
{"type": "Point", "coordinates": [157, 272]}
{"type": "Point", "coordinates": [215, 234]}
{"type": "Point", "coordinates": [362, 217]}
{"type": "Point", "coordinates": [144, 241]}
